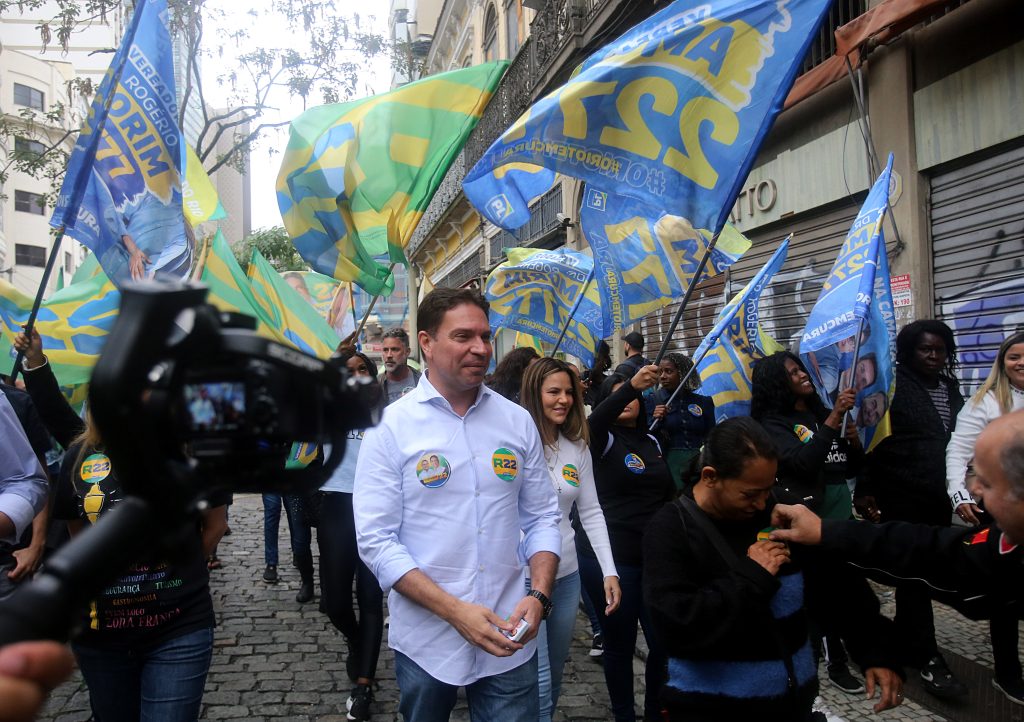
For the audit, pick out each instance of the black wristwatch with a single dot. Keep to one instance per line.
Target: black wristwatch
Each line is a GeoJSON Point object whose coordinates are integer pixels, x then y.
{"type": "Point", "coordinates": [544, 601]}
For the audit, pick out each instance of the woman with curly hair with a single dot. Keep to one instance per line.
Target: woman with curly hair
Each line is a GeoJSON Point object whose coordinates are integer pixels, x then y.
{"type": "Point", "coordinates": [686, 422]}
{"type": "Point", "coordinates": [815, 460]}
{"type": "Point", "coordinates": [905, 477]}
{"type": "Point", "coordinates": [508, 374]}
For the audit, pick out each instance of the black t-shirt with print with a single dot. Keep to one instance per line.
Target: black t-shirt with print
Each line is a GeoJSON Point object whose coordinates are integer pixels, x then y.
{"type": "Point", "coordinates": [153, 601]}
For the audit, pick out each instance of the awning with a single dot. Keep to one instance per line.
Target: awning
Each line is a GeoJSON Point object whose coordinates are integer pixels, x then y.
{"type": "Point", "coordinates": [879, 25]}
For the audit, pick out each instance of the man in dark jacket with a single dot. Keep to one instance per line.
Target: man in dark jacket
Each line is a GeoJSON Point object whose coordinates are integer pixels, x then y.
{"type": "Point", "coordinates": [633, 344]}
{"type": "Point", "coordinates": [975, 571]}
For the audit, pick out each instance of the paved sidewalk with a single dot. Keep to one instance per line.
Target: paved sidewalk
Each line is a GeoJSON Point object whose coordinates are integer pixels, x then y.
{"type": "Point", "coordinates": [275, 658]}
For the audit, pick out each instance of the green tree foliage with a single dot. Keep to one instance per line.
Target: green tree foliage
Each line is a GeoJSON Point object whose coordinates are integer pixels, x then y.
{"type": "Point", "coordinates": [276, 247]}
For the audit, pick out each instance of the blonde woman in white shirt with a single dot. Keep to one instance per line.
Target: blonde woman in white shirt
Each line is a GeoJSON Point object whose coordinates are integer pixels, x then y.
{"type": "Point", "coordinates": [1002, 392]}
{"type": "Point", "coordinates": [553, 395]}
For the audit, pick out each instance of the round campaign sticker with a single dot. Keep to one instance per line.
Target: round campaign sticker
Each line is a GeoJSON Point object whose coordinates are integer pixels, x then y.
{"type": "Point", "coordinates": [95, 468]}
{"type": "Point", "coordinates": [695, 410]}
{"type": "Point", "coordinates": [571, 475]}
{"type": "Point", "coordinates": [803, 433]}
{"type": "Point", "coordinates": [505, 464]}
{"type": "Point", "coordinates": [433, 470]}
{"type": "Point", "coordinates": [635, 464]}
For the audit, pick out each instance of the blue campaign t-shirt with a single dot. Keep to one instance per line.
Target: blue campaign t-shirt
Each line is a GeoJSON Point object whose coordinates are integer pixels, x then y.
{"type": "Point", "coordinates": [344, 477]}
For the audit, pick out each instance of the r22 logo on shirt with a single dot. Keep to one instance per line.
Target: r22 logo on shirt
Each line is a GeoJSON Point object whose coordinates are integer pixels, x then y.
{"type": "Point", "coordinates": [635, 464]}
{"type": "Point", "coordinates": [505, 464]}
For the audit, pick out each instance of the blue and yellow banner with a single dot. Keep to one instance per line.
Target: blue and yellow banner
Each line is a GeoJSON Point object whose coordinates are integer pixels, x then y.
{"type": "Point", "coordinates": [73, 323]}
{"type": "Point", "coordinates": [850, 336]}
{"type": "Point", "coordinates": [671, 113]}
{"type": "Point", "coordinates": [536, 292]}
{"type": "Point", "coordinates": [646, 258]}
{"type": "Point", "coordinates": [121, 195]}
{"type": "Point", "coordinates": [289, 312]}
{"type": "Point", "coordinates": [736, 342]}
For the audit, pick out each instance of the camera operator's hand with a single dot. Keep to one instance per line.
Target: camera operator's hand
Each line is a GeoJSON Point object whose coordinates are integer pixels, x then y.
{"type": "Point", "coordinates": [28, 671]}
{"type": "Point", "coordinates": [31, 347]}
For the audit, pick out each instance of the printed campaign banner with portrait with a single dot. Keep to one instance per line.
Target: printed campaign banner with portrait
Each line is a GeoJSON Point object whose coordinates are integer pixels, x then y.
{"type": "Point", "coordinates": [122, 195]}
{"type": "Point", "coordinates": [850, 336]}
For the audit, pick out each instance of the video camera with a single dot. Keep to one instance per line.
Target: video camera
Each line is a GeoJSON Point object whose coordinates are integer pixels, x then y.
{"type": "Point", "coordinates": [190, 403]}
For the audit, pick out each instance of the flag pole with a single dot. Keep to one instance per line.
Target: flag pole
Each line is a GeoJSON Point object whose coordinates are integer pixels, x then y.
{"type": "Point", "coordinates": [686, 297]}
{"type": "Point", "coordinates": [369, 309]}
{"type": "Point", "coordinates": [80, 182]}
{"type": "Point", "coordinates": [853, 371]}
{"type": "Point", "coordinates": [575, 307]}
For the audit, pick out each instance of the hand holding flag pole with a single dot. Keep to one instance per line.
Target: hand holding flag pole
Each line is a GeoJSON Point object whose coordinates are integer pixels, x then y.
{"type": "Point", "coordinates": [856, 358]}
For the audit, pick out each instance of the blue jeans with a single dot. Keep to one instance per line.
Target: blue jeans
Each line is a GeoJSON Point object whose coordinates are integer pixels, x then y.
{"type": "Point", "coordinates": [162, 685]}
{"type": "Point", "coordinates": [508, 697]}
{"type": "Point", "coordinates": [619, 631]}
{"type": "Point", "coordinates": [553, 641]}
{"type": "Point", "coordinates": [301, 536]}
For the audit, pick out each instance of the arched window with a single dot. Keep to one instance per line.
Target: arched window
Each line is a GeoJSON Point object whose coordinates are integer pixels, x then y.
{"type": "Point", "coordinates": [491, 34]}
{"type": "Point", "coordinates": [512, 26]}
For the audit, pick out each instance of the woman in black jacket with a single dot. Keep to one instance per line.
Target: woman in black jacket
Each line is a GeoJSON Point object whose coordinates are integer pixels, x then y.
{"type": "Point", "coordinates": [633, 482]}
{"type": "Point", "coordinates": [728, 604]}
{"type": "Point", "coordinates": [905, 477]}
{"type": "Point", "coordinates": [815, 461]}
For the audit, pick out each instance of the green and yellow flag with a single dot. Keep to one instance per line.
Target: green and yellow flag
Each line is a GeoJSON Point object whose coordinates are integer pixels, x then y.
{"type": "Point", "coordinates": [357, 177]}
{"type": "Point", "coordinates": [90, 268]}
{"type": "Point", "coordinates": [230, 289]}
{"type": "Point", "coordinates": [289, 312]}
{"type": "Point", "coordinates": [73, 323]}
{"type": "Point", "coordinates": [199, 198]}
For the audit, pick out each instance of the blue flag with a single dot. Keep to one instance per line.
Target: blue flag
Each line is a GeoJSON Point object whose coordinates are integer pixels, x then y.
{"type": "Point", "coordinates": [726, 356]}
{"type": "Point", "coordinates": [646, 258]}
{"type": "Point", "coordinates": [537, 292]}
{"type": "Point", "coordinates": [671, 113]}
{"type": "Point", "coordinates": [121, 195]}
{"type": "Point", "coordinates": [857, 299]}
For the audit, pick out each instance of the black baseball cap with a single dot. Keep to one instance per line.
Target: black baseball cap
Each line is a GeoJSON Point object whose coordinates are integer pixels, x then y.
{"type": "Point", "coordinates": [635, 340]}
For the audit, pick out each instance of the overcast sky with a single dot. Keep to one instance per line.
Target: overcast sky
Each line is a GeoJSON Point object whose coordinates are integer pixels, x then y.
{"type": "Point", "coordinates": [264, 162]}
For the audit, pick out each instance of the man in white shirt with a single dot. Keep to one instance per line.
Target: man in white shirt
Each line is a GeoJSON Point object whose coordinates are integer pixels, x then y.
{"type": "Point", "coordinates": [452, 499]}
{"type": "Point", "coordinates": [23, 487]}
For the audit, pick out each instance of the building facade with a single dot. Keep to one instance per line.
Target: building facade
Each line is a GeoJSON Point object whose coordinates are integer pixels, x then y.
{"type": "Point", "coordinates": [28, 88]}
{"type": "Point", "coordinates": [940, 88]}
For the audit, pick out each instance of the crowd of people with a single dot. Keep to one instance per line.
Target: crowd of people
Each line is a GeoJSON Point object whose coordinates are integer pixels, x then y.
{"type": "Point", "coordinates": [488, 508]}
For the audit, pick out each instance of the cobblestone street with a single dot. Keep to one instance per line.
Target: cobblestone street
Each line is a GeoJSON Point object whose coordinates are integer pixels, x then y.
{"type": "Point", "coordinates": [275, 658]}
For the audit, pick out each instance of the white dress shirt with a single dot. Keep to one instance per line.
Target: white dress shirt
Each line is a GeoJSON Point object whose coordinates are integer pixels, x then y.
{"type": "Point", "coordinates": [452, 496]}
{"type": "Point", "coordinates": [23, 483]}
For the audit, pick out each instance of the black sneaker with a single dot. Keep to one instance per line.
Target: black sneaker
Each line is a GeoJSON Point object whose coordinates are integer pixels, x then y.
{"type": "Point", "coordinates": [270, 574]}
{"type": "Point", "coordinates": [359, 702]}
{"type": "Point", "coordinates": [1013, 690]}
{"type": "Point", "coordinates": [597, 646]}
{"type": "Point", "coordinates": [939, 681]}
{"type": "Point", "coordinates": [839, 675]}
{"type": "Point", "coordinates": [305, 593]}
